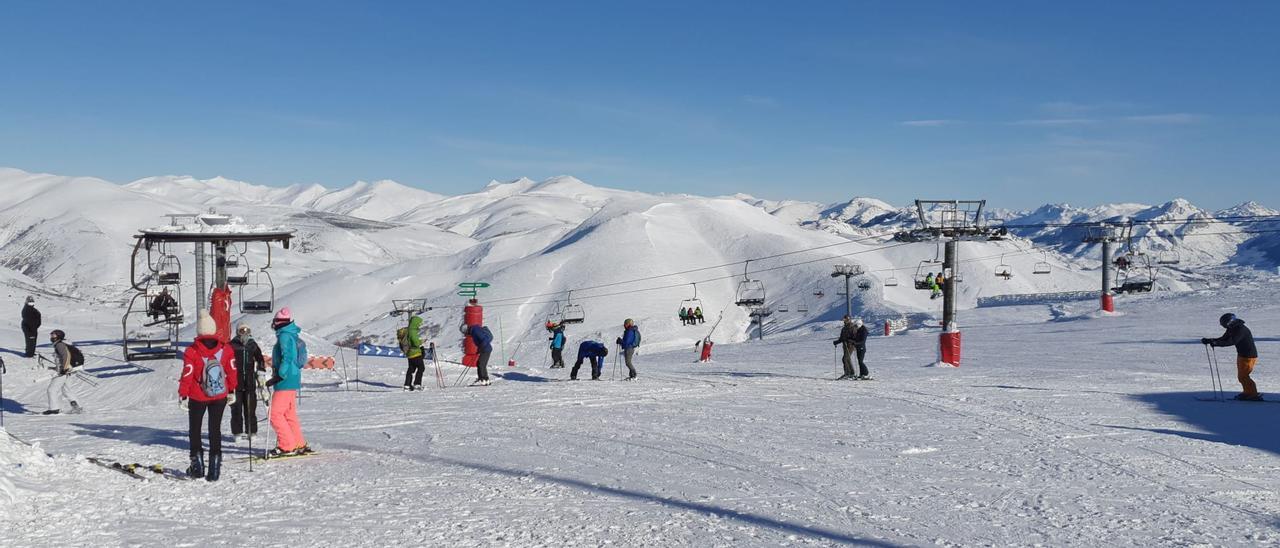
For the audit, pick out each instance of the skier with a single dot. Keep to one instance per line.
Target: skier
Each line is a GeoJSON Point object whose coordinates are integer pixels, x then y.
{"type": "Point", "coordinates": [30, 325]}
{"type": "Point", "coordinates": [557, 345]}
{"type": "Point", "coordinates": [684, 316]}
{"type": "Point", "coordinates": [1246, 353]}
{"type": "Point", "coordinates": [286, 365]}
{"type": "Point", "coordinates": [860, 345]}
{"type": "Point", "coordinates": [593, 352]}
{"type": "Point", "coordinates": [412, 347]}
{"type": "Point", "coordinates": [848, 334]}
{"type": "Point", "coordinates": [935, 288]}
{"type": "Point", "coordinates": [249, 360]}
{"type": "Point", "coordinates": [208, 383]}
{"type": "Point", "coordinates": [164, 304]}
{"type": "Point", "coordinates": [697, 315]}
{"type": "Point", "coordinates": [629, 340]}
{"type": "Point", "coordinates": [484, 342]}
{"type": "Point", "coordinates": [60, 384]}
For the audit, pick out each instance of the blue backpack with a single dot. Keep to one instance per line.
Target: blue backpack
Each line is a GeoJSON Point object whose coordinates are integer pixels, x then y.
{"type": "Point", "coordinates": [301, 351]}
{"type": "Point", "coordinates": [214, 381]}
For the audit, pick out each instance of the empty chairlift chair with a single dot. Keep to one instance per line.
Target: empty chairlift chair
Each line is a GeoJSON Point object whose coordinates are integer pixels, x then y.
{"type": "Point", "coordinates": [168, 270]}
{"type": "Point", "coordinates": [1169, 257]}
{"type": "Point", "coordinates": [750, 292]}
{"type": "Point", "coordinates": [258, 295]}
{"type": "Point", "coordinates": [1042, 266]}
{"type": "Point", "coordinates": [891, 281]}
{"type": "Point", "coordinates": [572, 313]}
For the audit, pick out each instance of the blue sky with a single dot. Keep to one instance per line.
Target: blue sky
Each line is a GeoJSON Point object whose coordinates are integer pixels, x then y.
{"type": "Point", "coordinates": [1020, 103]}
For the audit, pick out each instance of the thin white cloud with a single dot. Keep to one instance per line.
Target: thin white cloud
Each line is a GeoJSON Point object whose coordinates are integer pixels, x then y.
{"type": "Point", "coordinates": [1174, 118]}
{"type": "Point", "coordinates": [930, 123]}
{"type": "Point", "coordinates": [1054, 122]}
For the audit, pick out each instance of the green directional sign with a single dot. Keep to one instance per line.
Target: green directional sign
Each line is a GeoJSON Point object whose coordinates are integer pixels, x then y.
{"type": "Point", "coordinates": [467, 293]}
{"type": "Point", "coordinates": [473, 285]}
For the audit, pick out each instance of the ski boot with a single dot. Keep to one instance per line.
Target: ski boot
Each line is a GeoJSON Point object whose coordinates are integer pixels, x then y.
{"type": "Point", "coordinates": [51, 412]}
{"type": "Point", "coordinates": [417, 387]}
{"type": "Point", "coordinates": [408, 388]}
{"type": "Point", "coordinates": [76, 409]}
{"type": "Point", "coordinates": [215, 467]}
{"type": "Point", "coordinates": [197, 466]}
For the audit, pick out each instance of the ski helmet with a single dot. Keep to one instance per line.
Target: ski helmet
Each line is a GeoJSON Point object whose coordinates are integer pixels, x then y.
{"type": "Point", "coordinates": [58, 334]}
{"type": "Point", "coordinates": [1226, 319]}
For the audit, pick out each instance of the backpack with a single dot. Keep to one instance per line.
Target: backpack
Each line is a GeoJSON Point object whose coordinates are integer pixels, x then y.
{"type": "Point", "coordinates": [301, 351]}
{"type": "Point", "coordinates": [77, 357]}
{"type": "Point", "coordinates": [637, 337]}
{"type": "Point", "coordinates": [214, 381]}
{"type": "Point", "coordinates": [402, 338]}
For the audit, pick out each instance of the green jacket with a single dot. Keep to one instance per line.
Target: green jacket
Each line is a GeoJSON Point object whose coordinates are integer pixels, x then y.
{"type": "Point", "coordinates": [415, 340]}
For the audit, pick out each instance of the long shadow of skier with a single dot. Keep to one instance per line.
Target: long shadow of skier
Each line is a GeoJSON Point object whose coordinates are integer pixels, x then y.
{"type": "Point", "coordinates": [1250, 424]}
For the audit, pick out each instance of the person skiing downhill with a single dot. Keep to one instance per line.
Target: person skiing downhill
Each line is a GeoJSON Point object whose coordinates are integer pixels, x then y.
{"type": "Point", "coordinates": [412, 347]}
{"type": "Point", "coordinates": [484, 343]}
{"type": "Point", "coordinates": [286, 365]}
{"type": "Point", "coordinates": [59, 385]}
{"type": "Point", "coordinates": [1246, 353]}
{"type": "Point", "coordinates": [208, 384]}
{"type": "Point", "coordinates": [557, 345]}
{"type": "Point", "coordinates": [629, 340]}
{"type": "Point", "coordinates": [30, 325]}
{"type": "Point", "coordinates": [593, 352]}
{"type": "Point", "coordinates": [249, 360]}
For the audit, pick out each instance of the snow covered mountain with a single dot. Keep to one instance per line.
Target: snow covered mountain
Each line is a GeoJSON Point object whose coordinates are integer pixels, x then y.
{"type": "Point", "coordinates": [544, 244]}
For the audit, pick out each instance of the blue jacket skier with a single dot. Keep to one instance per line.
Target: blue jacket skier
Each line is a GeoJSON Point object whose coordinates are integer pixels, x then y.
{"type": "Point", "coordinates": [629, 340]}
{"type": "Point", "coordinates": [594, 352]}
{"type": "Point", "coordinates": [484, 343]}
{"type": "Point", "coordinates": [557, 345]}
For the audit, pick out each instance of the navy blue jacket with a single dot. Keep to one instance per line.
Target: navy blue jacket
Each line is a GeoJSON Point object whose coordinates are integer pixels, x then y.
{"type": "Point", "coordinates": [631, 337]}
{"type": "Point", "coordinates": [1239, 336]}
{"type": "Point", "coordinates": [592, 349]}
{"type": "Point", "coordinates": [482, 337]}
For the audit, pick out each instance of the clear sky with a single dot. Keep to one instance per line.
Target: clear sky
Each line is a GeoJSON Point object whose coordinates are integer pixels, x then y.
{"type": "Point", "coordinates": [1021, 103]}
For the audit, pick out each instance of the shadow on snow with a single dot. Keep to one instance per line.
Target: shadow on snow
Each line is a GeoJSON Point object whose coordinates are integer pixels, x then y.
{"type": "Point", "coordinates": [1249, 424]}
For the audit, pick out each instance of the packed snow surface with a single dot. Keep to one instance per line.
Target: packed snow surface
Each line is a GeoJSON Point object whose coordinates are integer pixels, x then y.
{"type": "Point", "coordinates": [1060, 428]}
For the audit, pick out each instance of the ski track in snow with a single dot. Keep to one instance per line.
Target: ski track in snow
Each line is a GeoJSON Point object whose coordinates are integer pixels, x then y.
{"type": "Point", "coordinates": [1082, 433]}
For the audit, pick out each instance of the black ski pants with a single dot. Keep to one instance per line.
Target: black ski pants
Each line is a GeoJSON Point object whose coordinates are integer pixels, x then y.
{"type": "Point", "coordinates": [596, 363]}
{"type": "Point", "coordinates": [30, 333]}
{"type": "Point", "coordinates": [482, 366]}
{"type": "Point", "coordinates": [862, 366]}
{"type": "Point", "coordinates": [557, 357]}
{"type": "Point", "coordinates": [195, 415]}
{"type": "Point", "coordinates": [413, 376]}
{"type": "Point", "coordinates": [847, 359]}
{"type": "Point", "coordinates": [244, 414]}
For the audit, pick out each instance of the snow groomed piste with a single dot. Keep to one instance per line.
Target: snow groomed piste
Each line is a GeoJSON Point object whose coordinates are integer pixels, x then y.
{"type": "Point", "coordinates": [1066, 425]}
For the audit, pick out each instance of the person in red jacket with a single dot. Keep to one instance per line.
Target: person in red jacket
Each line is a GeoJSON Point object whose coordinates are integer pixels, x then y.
{"type": "Point", "coordinates": [208, 383]}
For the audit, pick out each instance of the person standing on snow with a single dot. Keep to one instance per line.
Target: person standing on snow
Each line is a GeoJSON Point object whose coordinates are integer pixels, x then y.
{"type": "Point", "coordinates": [30, 325]}
{"type": "Point", "coordinates": [1246, 353]}
{"type": "Point", "coordinates": [848, 334]}
{"type": "Point", "coordinates": [412, 346]}
{"type": "Point", "coordinates": [484, 343]}
{"type": "Point", "coordinates": [286, 365]}
{"type": "Point", "coordinates": [593, 352]}
{"type": "Point", "coordinates": [860, 346]}
{"type": "Point", "coordinates": [60, 384]}
{"type": "Point", "coordinates": [629, 340]}
{"type": "Point", "coordinates": [249, 360]}
{"type": "Point", "coordinates": [557, 345]}
{"type": "Point", "coordinates": [208, 383]}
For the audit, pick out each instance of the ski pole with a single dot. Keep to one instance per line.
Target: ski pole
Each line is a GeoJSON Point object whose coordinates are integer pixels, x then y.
{"type": "Point", "coordinates": [1217, 370]}
{"type": "Point", "coordinates": [1209, 360]}
{"type": "Point", "coordinates": [439, 372]}
{"type": "Point", "coordinates": [617, 356]}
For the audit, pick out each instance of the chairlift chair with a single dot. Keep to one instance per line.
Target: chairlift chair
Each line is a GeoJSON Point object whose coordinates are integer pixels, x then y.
{"type": "Point", "coordinates": [1169, 257]}
{"type": "Point", "coordinates": [802, 308]}
{"type": "Point", "coordinates": [693, 303]}
{"type": "Point", "coordinates": [1003, 270]}
{"type": "Point", "coordinates": [572, 313]}
{"type": "Point", "coordinates": [240, 277]}
{"type": "Point", "coordinates": [783, 308]}
{"type": "Point", "coordinates": [922, 278]}
{"type": "Point", "coordinates": [1043, 266]}
{"type": "Point", "coordinates": [864, 285]}
{"type": "Point", "coordinates": [891, 281]}
{"type": "Point", "coordinates": [263, 293]}
{"type": "Point", "coordinates": [750, 292]}
{"type": "Point", "coordinates": [168, 270]}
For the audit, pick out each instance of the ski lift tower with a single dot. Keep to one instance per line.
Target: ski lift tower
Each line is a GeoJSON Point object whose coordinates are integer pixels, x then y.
{"type": "Point", "coordinates": [206, 232]}
{"type": "Point", "coordinates": [952, 221]}
{"type": "Point", "coordinates": [848, 271]}
{"type": "Point", "coordinates": [1107, 235]}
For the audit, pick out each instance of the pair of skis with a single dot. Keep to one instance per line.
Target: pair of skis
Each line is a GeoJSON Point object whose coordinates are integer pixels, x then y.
{"type": "Point", "coordinates": [136, 470]}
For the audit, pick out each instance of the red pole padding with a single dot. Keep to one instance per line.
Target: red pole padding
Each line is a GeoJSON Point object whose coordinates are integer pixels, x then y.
{"type": "Point", "coordinates": [706, 351]}
{"type": "Point", "coordinates": [888, 328]}
{"type": "Point", "coordinates": [1108, 303]}
{"type": "Point", "coordinates": [472, 314]}
{"type": "Point", "coordinates": [950, 345]}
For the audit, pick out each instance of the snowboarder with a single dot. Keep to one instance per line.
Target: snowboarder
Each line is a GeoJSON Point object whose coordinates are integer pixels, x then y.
{"type": "Point", "coordinates": [287, 358]}
{"type": "Point", "coordinates": [593, 352]}
{"type": "Point", "coordinates": [64, 368]}
{"type": "Point", "coordinates": [629, 340]}
{"type": "Point", "coordinates": [163, 305]}
{"type": "Point", "coordinates": [557, 344]}
{"type": "Point", "coordinates": [411, 344]}
{"type": "Point", "coordinates": [1246, 353]}
{"type": "Point", "coordinates": [30, 325]}
{"type": "Point", "coordinates": [935, 288]}
{"type": "Point", "coordinates": [208, 384]}
{"type": "Point", "coordinates": [848, 334]}
{"type": "Point", "coordinates": [249, 360]}
{"type": "Point", "coordinates": [484, 343]}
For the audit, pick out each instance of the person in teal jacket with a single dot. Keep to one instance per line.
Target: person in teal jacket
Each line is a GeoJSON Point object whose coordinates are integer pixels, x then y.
{"type": "Point", "coordinates": [287, 359]}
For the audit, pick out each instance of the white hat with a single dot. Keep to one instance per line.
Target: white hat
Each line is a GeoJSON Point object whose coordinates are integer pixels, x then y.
{"type": "Point", "coordinates": [857, 322]}
{"type": "Point", "coordinates": [205, 325]}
